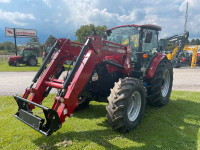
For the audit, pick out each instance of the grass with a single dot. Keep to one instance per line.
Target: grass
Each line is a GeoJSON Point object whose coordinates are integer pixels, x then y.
{"type": "Point", "coordinates": [173, 127]}
{"type": "Point", "coordinates": [4, 67]}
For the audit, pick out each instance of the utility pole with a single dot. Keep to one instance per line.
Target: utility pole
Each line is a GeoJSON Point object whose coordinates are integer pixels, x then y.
{"type": "Point", "coordinates": [186, 18]}
{"type": "Point", "coordinates": [15, 41]}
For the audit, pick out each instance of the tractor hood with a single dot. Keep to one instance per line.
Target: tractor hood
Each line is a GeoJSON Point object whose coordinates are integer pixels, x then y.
{"type": "Point", "coordinates": [14, 58]}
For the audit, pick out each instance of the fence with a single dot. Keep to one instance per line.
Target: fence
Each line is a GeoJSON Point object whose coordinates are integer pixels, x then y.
{"type": "Point", "coordinates": [4, 57]}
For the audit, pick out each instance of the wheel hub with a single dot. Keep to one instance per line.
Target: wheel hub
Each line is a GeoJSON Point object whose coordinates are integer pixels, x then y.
{"type": "Point", "coordinates": [165, 83]}
{"type": "Point", "coordinates": [134, 106]}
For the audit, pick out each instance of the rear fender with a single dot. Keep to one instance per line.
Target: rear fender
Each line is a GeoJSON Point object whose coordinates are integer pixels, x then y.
{"type": "Point", "coordinates": [154, 64]}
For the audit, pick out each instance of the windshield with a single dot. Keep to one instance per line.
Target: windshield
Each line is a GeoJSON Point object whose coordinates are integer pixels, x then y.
{"type": "Point", "coordinates": [125, 35]}
{"type": "Point", "coordinates": [21, 52]}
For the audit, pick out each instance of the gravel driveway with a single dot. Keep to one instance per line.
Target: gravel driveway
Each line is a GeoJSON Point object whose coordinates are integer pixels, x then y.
{"type": "Point", "coordinates": [185, 79]}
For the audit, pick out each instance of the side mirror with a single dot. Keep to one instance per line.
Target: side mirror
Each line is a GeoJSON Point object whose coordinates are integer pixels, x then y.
{"type": "Point", "coordinates": [108, 32]}
{"type": "Point", "coordinates": [148, 37]}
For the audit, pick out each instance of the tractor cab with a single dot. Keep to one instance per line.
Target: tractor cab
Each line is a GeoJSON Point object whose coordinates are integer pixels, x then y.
{"type": "Point", "coordinates": [26, 53]}
{"type": "Point", "coordinates": [143, 40]}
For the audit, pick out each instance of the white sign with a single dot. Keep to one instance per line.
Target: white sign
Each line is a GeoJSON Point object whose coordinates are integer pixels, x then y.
{"type": "Point", "coordinates": [20, 32]}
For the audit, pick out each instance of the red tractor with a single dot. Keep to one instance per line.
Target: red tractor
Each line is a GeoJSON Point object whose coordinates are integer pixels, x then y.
{"type": "Point", "coordinates": [26, 56]}
{"type": "Point", "coordinates": [125, 69]}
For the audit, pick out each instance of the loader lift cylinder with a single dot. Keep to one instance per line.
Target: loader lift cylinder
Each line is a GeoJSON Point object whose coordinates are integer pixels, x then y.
{"type": "Point", "coordinates": [76, 66]}
{"type": "Point", "coordinates": [45, 62]}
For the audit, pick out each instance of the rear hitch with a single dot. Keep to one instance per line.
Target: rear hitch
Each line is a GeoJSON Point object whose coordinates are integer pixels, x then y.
{"type": "Point", "coordinates": [25, 114]}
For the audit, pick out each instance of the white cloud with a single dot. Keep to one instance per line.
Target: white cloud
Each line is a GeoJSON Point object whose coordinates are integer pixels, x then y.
{"type": "Point", "coordinates": [15, 17]}
{"type": "Point", "coordinates": [5, 1]}
{"type": "Point", "coordinates": [169, 14]}
{"type": "Point", "coordinates": [85, 12]}
{"type": "Point", "coordinates": [193, 16]}
{"type": "Point", "coordinates": [47, 2]}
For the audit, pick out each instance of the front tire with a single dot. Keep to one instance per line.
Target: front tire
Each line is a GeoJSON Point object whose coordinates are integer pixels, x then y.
{"type": "Point", "coordinates": [83, 103]}
{"type": "Point", "coordinates": [126, 104]}
{"type": "Point", "coordinates": [16, 63]}
{"type": "Point", "coordinates": [160, 86]}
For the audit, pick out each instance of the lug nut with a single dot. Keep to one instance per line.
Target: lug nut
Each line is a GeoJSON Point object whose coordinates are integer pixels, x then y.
{"type": "Point", "coordinates": [65, 111]}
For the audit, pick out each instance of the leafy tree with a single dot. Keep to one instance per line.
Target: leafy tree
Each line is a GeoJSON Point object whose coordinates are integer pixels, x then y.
{"type": "Point", "coordinates": [193, 42]}
{"type": "Point", "coordinates": [50, 41]}
{"type": "Point", "coordinates": [8, 45]}
{"type": "Point", "coordinates": [34, 42]}
{"type": "Point", "coordinates": [2, 47]}
{"type": "Point", "coordinates": [197, 42]}
{"type": "Point", "coordinates": [87, 30]}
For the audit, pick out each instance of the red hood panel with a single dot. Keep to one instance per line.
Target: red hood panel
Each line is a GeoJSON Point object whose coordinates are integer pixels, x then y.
{"type": "Point", "coordinates": [15, 57]}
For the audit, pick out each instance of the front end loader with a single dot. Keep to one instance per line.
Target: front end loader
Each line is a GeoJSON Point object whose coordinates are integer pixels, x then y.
{"type": "Point", "coordinates": [125, 69]}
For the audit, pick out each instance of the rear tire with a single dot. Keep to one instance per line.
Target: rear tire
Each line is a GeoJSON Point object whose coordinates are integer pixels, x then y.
{"type": "Point", "coordinates": [32, 61]}
{"type": "Point", "coordinates": [126, 104]}
{"type": "Point", "coordinates": [160, 86]}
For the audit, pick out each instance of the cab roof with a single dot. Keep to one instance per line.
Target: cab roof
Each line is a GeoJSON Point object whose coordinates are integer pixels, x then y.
{"type": "Point", "coordinates": [148, 26]}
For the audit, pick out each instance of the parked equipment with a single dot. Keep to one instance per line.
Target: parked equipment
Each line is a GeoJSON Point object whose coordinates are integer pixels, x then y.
{"type": "Point", "coordinates": [176, 55]}
{"type": "Point", "coordinates": [127, 74]}
{"type": "Point", "coordinates": [193, 60]}
{"type": "Point", "coordinates": [26, 56]}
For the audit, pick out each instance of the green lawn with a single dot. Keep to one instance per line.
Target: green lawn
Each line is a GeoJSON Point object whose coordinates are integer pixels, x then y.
{"type": "Point", "coordinates": [4, 67]}
{"type": "Point", "coordinates": [173, 127]}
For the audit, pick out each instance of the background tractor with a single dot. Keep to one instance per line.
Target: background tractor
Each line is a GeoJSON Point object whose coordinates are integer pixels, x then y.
{"type": "Point", "coordinates": [26, 56]}
{"type": "Point", "coordinates": [125, 69]}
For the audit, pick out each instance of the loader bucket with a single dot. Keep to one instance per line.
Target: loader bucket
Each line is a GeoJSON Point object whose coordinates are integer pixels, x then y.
{"type": "Point", "coordinates": [46, 126]}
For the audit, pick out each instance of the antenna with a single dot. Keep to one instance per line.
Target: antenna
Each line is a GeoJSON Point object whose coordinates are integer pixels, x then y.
{"type": "Point", "coordinates": [186, 18]}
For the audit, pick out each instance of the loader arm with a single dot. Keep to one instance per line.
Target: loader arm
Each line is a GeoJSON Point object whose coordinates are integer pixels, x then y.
{"type": "Point", "coordinates": [175, 54]}
{"type": "Point", "coordinates": [94, 51]}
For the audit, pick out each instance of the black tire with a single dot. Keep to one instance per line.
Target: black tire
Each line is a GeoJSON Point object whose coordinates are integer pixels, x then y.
{"type": "Point", "coordinates": [119, 111]}
{"type": "Point", "coordinates": [160, 86]}
{"type": "Point", "coordinates": [176, 64]}
{"type": "Point", "coordinates": [32, 61]}
{"type": "Point", "coordinates": [16, 63]}
{"type": "Point", "coordinates": [83, 103]}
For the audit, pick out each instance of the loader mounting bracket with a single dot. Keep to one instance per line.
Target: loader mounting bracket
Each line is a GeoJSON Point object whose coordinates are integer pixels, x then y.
{"type": "Point", "coordinates": [25, 114]}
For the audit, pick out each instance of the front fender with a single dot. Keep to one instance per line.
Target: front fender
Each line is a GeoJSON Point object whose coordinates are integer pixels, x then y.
{"type": "Point", "coordinates": [154, 64]}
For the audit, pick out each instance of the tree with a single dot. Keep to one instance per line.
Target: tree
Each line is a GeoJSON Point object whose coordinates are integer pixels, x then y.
{"type": "Point", "coordinates": [2, 47]}
{"type": "Point", "coordinates": [193, 42]}
{"type": "Point", "coordinates": [87, 30]}
{"type": "Point", "coordinates": [197, 42]}
{"type": "Point", "coordinates": [8, 45]}
{"type": "Point", "coordinates": [34, 42]}
{"type": "Point", "coordinates": [50, 41]}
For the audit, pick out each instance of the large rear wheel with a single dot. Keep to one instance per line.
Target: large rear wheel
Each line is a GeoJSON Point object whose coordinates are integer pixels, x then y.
{"type": "Point", "coordinates": [32, 61]}
{"type": "Point", "coordinates": [160, 86]}
{"type": "Point", "coordinates": [126, 104]}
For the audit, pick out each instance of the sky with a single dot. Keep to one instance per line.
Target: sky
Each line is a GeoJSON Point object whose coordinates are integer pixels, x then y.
{"type": "Point", "coordinates": [61, 18]}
